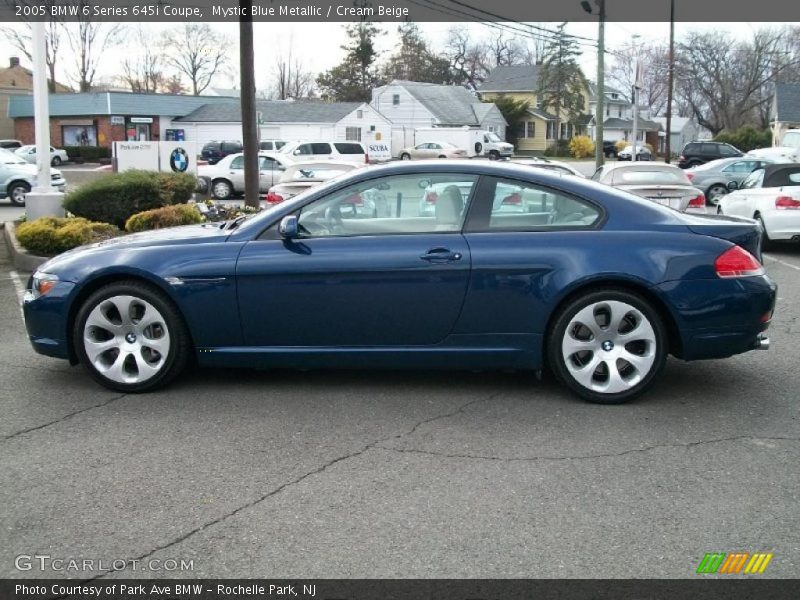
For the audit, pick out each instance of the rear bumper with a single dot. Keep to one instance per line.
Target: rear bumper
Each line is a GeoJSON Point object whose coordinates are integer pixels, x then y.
{"type": "Point", "coordinates": [717, 318]}
{"type": "Point", "coordinates": [782, 224]}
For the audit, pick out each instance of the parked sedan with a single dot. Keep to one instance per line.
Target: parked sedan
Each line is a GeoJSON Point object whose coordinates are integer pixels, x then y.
{"type": "Point", "coordinates": [713, 177]}
{"type": "Point", "coordinates": [664, 184]}
{"type": "Point", "coordinates": [433, 150]}
{"type": "Point", "coordinates": [299, 177]}
{"type": "Point", "coordinates": [28, 153]}
{"type": "Point", "coordinates": [601, 290]}
{"type": "Point", "coordinates": [226, 176]}
{"type": "Point", "coordinates": [18, 177]}
{"type": "Point", "coordinates": [551, 165]}
{"type": "Point", "coordinates": [771, 196]}
{"type": "Point", "coordinates": [642, 153]}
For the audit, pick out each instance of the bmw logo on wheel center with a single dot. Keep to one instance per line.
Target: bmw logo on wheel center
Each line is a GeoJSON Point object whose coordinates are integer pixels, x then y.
{"type": "Point", "coordinates": [179, 160]}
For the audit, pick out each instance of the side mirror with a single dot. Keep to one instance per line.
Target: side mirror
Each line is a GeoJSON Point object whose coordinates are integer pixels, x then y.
{"type": "Point", "coordinates": [288, 227]}
{"type": "Point", "coordinates": [733, 186]}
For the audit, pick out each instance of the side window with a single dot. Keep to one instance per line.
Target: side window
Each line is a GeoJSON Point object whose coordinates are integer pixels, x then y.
{"type": "Point", "coordinates": [392, 205]}
{"type": "Point", "coordinates": [741, 167]}
{"type": "Point", "coordinates": [303, 149]}
{"type": "Point", "coordinates": [726, 150]}
{"type": "Point", "coordinates": [753, 180]}
{"type": "Point", "coordinates": [321, 149]}
{"type": "Point", "coordinates": [523, 206]}
{"type": "Point", "coordinates": [237, 163]}
{"type": "Point", "coordinates": [269, 164]}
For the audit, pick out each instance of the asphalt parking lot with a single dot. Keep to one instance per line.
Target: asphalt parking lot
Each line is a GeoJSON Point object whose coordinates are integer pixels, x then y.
{"type": "Point", "coordinates": [382, 474]}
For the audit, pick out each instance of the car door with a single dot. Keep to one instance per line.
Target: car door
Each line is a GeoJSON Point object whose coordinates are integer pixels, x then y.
{"type": "Point", "coordinates": [355, 279]}
{"type": "Point", "coordinates": [740, 202]}
{"type": "Point", "coordinates": [235, 171]}
{"type": "Point", "coordinates": [270, 171]}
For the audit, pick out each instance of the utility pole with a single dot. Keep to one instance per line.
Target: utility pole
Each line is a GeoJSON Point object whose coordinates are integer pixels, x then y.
{"type": "Point", "coordinates": [670, 79]}
{"type": "Point", "coordinates": [599, 155]}
{"type": "Point", "coordinates": [248, 104]}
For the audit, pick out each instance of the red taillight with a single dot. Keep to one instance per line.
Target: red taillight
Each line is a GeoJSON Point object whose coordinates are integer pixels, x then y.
{"type": "Point", "coordinates": [274, 198]}
{"type": "Point", "coordinates": [353, 199]}
{"type": "Point", "coordinates": [698, 202]}
{"type": "Point", "coordinates": [512, 199]}
{"type": "Point", "coordinates": [786, 203]}
{"type": "Point", "coordinates": [737, 262]}
{"type": "Point", "coordinates": [431, 197]}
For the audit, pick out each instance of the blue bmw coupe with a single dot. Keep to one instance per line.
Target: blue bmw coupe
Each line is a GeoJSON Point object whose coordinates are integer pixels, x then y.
{"type": "Point", "coordinates": [513, 267]}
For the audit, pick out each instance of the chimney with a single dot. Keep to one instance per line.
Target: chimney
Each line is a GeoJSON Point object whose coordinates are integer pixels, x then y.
{"type": "Point", "coordinates": [13, 61]}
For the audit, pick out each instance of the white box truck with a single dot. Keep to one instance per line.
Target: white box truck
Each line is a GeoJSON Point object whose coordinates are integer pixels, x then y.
{"type": "Point", "coordinates": [477, 142]}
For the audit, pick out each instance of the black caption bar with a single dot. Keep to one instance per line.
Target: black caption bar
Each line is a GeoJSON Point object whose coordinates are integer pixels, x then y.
{"type": "Point", "coordinates": [397, 10]}
{"type": "Point", "coordinates": [402, 589]}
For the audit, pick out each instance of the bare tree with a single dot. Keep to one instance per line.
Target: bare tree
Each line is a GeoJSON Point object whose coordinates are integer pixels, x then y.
{"type": "Point", "coordinates": [292, 80]}
{"type": "Point", "coordinates": [467, 57]}
{"type": "Point", "coordinates": [21, 37]}
{"type": "Point", "coordinates": [143, 71]}
{"type": "Point", "coordinates": [654, 59]}
{"type": "Point", "coordinates": [198, 52]}
{"type": "Point", "coordinates": [89, 41]}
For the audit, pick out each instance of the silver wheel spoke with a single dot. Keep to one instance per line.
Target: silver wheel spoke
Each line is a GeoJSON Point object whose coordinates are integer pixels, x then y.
{"type": "Point", "coordinates": [584, 375]}
{"type": "Point", "coordinates": [96, 349]}
{"type": "Point", "coordinates": [160, 345]}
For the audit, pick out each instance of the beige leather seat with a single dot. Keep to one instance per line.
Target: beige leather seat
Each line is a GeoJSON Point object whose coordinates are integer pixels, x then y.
{"type": "Point", "coordinates": [449, 206]}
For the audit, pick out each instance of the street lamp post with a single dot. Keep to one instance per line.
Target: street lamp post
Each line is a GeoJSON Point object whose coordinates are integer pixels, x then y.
{"type": "Point", "coordinates": [42, 200]}
{"type": "Point", "coordinates": [599, 155]}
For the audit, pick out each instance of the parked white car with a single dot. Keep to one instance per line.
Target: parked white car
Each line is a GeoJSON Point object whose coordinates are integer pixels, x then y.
{"type": "Point", "coordinates": [353, 152]}
{"type": "Point", "coordinates": [771, 196]}
{"type": "Point", "coordinates": [28, 153]}
{"type": "Point", "coordinates": [18, 177]}
{"type": "Point", "coordinates": [787, 151]}
{"type": "Point", "coordinates": [299, 177]}
{"type": "Point", "coordinates": [226, 177]}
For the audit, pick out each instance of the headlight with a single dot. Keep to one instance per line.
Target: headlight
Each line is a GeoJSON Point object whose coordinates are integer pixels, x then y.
{"type": "Point", "coordinates": [43, 283]}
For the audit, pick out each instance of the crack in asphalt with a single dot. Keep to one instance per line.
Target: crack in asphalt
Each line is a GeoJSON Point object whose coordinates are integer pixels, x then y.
{"type": "Point", "coordinates": [297, 480]}
{"type": "Point", "coordinates": [582, 456]}
{"type": "Point", "coordinates": [64, 418]}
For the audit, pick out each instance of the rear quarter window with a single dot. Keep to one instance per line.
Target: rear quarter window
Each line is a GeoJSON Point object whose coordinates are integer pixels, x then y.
{"type": "Point", "coordinates": [349, 148]}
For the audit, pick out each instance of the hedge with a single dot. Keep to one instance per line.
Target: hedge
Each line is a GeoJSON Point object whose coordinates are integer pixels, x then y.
{"type": "Point", "coordinates": [167, 216]}
{"type": "Point", "coordinates": [47, 236]}
{"type": "Point", "coordinates": [116, 198]}
{"type": "Point", "coordinates": [746, 138]}
{"type": "Point", "coordinates": [88, 153]}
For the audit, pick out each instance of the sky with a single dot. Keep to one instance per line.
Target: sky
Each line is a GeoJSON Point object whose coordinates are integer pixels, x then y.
{"type": "Point", "coordinates": [317, 45]}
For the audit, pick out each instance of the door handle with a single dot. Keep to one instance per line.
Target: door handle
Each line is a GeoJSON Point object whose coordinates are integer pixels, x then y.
{"type": "Point", "coordinates": [441, 255]}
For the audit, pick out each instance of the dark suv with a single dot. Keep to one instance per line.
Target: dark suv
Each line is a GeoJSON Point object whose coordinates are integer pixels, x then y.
{"type": "Point", "coordinates": [214, 152]}
{"type": "Point", "coordinates": [609, 149]}
{"type": "Point", "coordinates": [697, 153]}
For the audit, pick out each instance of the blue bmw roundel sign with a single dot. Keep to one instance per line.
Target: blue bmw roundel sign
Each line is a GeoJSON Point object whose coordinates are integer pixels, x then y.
{"type": "Point", "coordinates": [179, 160]}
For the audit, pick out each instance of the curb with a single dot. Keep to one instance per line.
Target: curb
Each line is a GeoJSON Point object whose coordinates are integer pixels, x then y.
{"type": "Point", "coordinates": [22, 260]}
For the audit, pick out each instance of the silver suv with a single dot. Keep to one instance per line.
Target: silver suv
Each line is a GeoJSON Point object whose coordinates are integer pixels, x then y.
{"type": "Point", "coordinates": [17, 177]}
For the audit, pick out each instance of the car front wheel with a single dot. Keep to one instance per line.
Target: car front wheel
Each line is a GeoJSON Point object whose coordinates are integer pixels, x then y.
{"type": "Point", "coordinates": [715, 193]}
{"type": "Point", "coordinates": [130, 337]}
{"type": "Point", "coordinates": [17, 192]}
{"type": "Point", "coordinates": [56, 161]}
{"type": "Point", "coordinates": [405, 156]}
{"type": "Point", "coordinates": [608, 346]}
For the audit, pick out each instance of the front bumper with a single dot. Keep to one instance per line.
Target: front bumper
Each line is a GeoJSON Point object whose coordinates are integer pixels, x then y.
{"type": "Point", "coordinates": [47, 318]}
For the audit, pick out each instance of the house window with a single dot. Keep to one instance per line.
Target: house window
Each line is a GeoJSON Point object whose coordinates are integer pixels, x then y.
{"type": "Point", "coordinates": [352, 134]}
{"type": "Point", "coordinates": [79, 135]}
{"type": "Point", "coordinates": [566, 131]}
{"type": "Point", "coordinates": [551, 130]}
{"type": "Point", "coordinates": [395, 99]}
{"type": "Point", "coordinates": [538, 104]}
{"type": "Point", "coordinates": [528, 129]}
{"type": "Point", "coordinates": [359, 114]}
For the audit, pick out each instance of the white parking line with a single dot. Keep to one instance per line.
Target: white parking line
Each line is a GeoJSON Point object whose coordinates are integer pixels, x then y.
{"type": "Point", "coordinates": [782, 262]}
{"type": "Point", "coordinates": [19, 287]}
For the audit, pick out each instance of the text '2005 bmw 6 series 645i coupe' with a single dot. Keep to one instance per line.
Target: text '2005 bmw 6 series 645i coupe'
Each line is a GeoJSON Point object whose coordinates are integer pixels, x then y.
{"type": "Point", "coordinates": [514, 268]}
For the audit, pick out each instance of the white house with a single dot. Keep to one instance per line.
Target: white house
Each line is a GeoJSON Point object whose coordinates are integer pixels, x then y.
{"type": "Point", "coordinates": [289, 120]}
{"type": "Point", "coordinates": [618, 118]}
{"type": "Point", "coordinates": [683, 131]}
{"type": "Point", "coordinates": [785, 113]}
{"type": "Point", "coordinates": [410, 104]}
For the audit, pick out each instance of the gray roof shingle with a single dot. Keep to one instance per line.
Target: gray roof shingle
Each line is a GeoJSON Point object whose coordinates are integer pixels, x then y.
{"type": "Point", "coordinates": [114, 103]}
{"type": "Point", "coordinates": [787, 102]}
{"type": "Point", "coordinates": [515, 78]}
{"type": "Point", "coordinates": [275, 111]}
{"type": "Point", "coordinates": [450, 104]}
{"type": "Point", "coordinates": [643, 124]}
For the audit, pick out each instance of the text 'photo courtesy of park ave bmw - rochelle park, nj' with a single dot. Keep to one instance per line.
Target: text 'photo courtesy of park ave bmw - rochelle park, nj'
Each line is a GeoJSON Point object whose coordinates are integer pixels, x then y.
{"type": "Point", "coordinates": [403, 299]}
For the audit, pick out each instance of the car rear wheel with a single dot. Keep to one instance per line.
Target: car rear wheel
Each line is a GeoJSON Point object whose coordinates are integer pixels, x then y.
{"type": "Point", "coordinates": [608, 346]}
{"type": "Point", "coordinates": [130, 337]}
{"type": "Point", "coordinates": [222, 189]}
{"type": "Point", "coordinates": [405, 156]}
{"type": "Point", "coordinates": [56, 161]}
{"type": "Point", "coordinates": [17, 192]}
{"type": "Point", "coordinates": [715, 193]}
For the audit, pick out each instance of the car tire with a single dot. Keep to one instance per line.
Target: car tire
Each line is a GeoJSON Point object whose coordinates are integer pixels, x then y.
{"type": "Point", "coordinates": [715, 193]}
{"type": "Point", "coordinates": [17, 191]}
{"type": "Point", "coordinates": [118, 350]}
{"type": "Point", "coordinates": [766, 243]}
{"type": "Point", "coordinates": [221, 189]}
{"type": "Point", "coordinates": [494, 155]}
{"type": "Point", "coordinates": [442, 156]}
{"type": "Point", "coordinates": [405, 156]}
{"type": "Point", "coordinates": [597, 338]}
{"type": "Point", "coordinates": [56, 161]}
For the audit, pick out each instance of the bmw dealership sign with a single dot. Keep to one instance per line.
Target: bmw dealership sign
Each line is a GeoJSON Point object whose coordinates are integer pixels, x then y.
{"type": "Point", "coordinates": [170, 157]}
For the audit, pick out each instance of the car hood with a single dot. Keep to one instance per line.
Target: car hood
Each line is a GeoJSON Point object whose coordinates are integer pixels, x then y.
{"type": "Point", "coordinates": [780, 152]}
{"type": "Point", "coordinates": [169, 236]}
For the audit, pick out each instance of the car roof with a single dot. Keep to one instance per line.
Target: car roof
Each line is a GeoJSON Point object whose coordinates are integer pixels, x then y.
{"type": "Point", "coordinates": [648, 164]}
{"type": "Point", "coordinates": [778, 175]}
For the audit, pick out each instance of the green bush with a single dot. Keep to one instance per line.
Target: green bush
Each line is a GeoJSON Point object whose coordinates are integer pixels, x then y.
{"type": "Point", "coordinates": [167, 216]}
{"type": "Point", "coordinates": [558, 148]}
{"type": "Point", "coordinates": [581, 146]}
{"type": "Point", "coordinates": [746, 138]}
{"type": "Point", "coordinates": [88, 153]}
{"type": "Point", "coordinates": [47, 236]}
{"type": "Point", "coordinates": [116, 198]}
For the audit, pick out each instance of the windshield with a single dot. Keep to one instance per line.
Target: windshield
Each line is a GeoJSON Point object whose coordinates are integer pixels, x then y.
{"type": "Point", "coordinates": [10, 158]}
{"type": "Point", "coordinates": [493, 137]}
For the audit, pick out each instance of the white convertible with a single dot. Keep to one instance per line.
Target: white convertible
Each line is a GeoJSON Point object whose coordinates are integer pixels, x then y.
{"type": "Point", "coordinates": [770, 195]}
